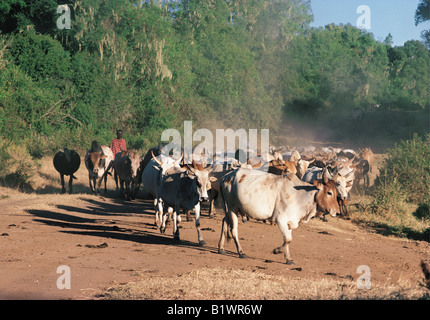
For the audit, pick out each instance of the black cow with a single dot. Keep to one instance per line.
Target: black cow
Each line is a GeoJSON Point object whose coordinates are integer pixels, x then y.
{"type": "Point", "coordinates": [67, 162]}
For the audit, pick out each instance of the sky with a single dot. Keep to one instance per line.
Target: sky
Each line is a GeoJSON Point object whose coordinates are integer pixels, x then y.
{"type": "Point", "coordinates": [386, 16]}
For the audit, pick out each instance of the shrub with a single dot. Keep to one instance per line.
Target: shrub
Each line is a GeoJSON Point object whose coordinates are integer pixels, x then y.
{"type": "Point", "coordinates": [388, 196]}
{"type": "Point", "coordinates": [17, 166]}
{"type": "Point", "coordinates": [400, 201]}
{"type": "Point", "coordinates": [408, 163]}
{"type": "Point", "coordinates": [423, 210]}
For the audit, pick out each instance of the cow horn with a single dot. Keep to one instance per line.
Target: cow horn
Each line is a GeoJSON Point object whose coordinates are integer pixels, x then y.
{"type": "Point", "coordinates": [349, 173]}
{"type": "Point", "coordinates": [180, 158]}
{"type": "Point", "coordinates": [326, 176]}
{"type": "Point", "coordinates": [155, 159]}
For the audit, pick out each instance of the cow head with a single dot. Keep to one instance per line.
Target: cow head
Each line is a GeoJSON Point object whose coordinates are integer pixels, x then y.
{"type": "Point", "coordinates": [281, 167]}
{"type": "Point", "coordinates": [96, 163]}
{"type": "Point", "coordinates": [365, 152]}
{"type": "Point", "coordinates": [203, 180]}
{"type": "Point", "coordinates": [342, 182]}
{"type": "Point", "coordinates": [134, 162]}
{"type": "Point", "coordinates": [303, 165]}
{"type": "Point", "coordinates": [326, 198]}
{"type": "Point", "coordinates": [166, 163]}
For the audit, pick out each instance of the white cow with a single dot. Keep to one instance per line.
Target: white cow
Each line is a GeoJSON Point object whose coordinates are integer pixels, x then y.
{"type": "Point", "coordinates": [184, 188]}
{"type": "Point", "coordinates": [152, 176]}
{"type": "Point", "coordinates": [283, 199]}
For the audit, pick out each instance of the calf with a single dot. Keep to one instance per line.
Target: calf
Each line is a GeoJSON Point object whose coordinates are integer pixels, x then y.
{"type": "Point", "coordinates": [67, 162]}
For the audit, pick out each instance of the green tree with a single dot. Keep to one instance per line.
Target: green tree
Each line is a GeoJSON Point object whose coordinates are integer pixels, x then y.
{"type": "Point", "coordinates": [332, 69]}
{"type": "Point", "coordinates": [422, 14]}
{"type": "Point", "coordinates": [18, 15]}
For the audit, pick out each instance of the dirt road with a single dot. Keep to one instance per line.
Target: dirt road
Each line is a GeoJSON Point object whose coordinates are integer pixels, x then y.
{"type": "Point", "coordinates": [106, 241]}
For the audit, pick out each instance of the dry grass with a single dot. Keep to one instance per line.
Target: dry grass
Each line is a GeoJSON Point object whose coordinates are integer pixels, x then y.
{"type": "Point", "coordinates": [231, 284]}
{"type": "Point", "coordinates": [399, 221]}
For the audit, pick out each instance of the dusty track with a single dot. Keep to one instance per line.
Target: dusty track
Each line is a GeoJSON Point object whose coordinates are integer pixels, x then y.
{"type": "Point", "coordinates": [107, 241]}
{"type": "Point", "coordinates": [42, 232]}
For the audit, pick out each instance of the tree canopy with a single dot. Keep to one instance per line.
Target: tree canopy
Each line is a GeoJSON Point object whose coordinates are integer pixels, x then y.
{"type": "Point", "coordinates": [145, 66]}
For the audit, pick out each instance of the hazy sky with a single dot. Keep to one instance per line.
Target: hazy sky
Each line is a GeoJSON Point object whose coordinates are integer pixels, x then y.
{"type": "Point", "coordinates": [386, 16]}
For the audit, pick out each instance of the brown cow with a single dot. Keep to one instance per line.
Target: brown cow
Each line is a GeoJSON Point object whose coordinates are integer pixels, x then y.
{"type": "Point", "coordinates": [367, 154]}
{"type": "Point", "coordinates": [98, 160]}
{"type": "Point", "coordinates": [127, 166]}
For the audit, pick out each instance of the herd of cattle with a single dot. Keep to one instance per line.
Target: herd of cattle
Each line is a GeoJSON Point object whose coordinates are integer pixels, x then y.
{"type": "Point", "coordinates": [284, 186]}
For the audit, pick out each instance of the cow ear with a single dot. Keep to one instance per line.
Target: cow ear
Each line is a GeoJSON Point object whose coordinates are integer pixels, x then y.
{"type": "Point", "coordinates": [213, 179]}
{"type": "Point", "coordinates": [318, 184]}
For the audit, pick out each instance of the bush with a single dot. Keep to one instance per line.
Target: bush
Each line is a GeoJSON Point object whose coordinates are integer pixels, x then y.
{"type": "Point", "coordinates": [17, 166]}
{"type": "Point", "coordinates": [423, 210]}
{"type": "Point", "coordinates": [408, 163]}
{"type": "Point", "coordinates": [388, 196]}
{"type": "Point", "coordinates": [400, 201]}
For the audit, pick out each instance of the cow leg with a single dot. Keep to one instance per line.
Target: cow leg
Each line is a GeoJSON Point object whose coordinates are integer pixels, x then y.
{"type": "Point", "coordinates": [157, 213]}
{"type": "Point", "coordinates": [235, 234]}
{"type": "Point", "coordinates": [71, 184]}
{"type": "Point", "coordinates": [121, 188]}
{"type": "Point", "coordinates": [94, 186]}
{"type": "Point", "coordinates": [188, 215]}
{"type": "Point", "coordinates": [175, 224]}
{"type": "Point", "coordinates": [127, 190]}
{"type": "Point", "coordinates": [224, 230]}
{"type": "Point", "coordinates": [226, 223]}
{"type": "Point", "coordinates": [133, 191]}
{"type": "Point", "coordinates": [105, 178]}
{"type": "Point", "coordinates": [199, 232]}
{"type": "Point", "coordinates": [163, 216]}
{"type": "Point", "coordinates": [63, 188]}
{"type": "Point", "coordinates": [115, 176]}
{"type": "Point", "coordinates": [287, 235]}
{"type": "Point", "coordinates": [213, 196]}
{"type": "Point", "coordinates": [344, 208]}
{"type": "Point", "coordinates": [91, 183]}
{"type": "Point", "coordinates": [99, 183]}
